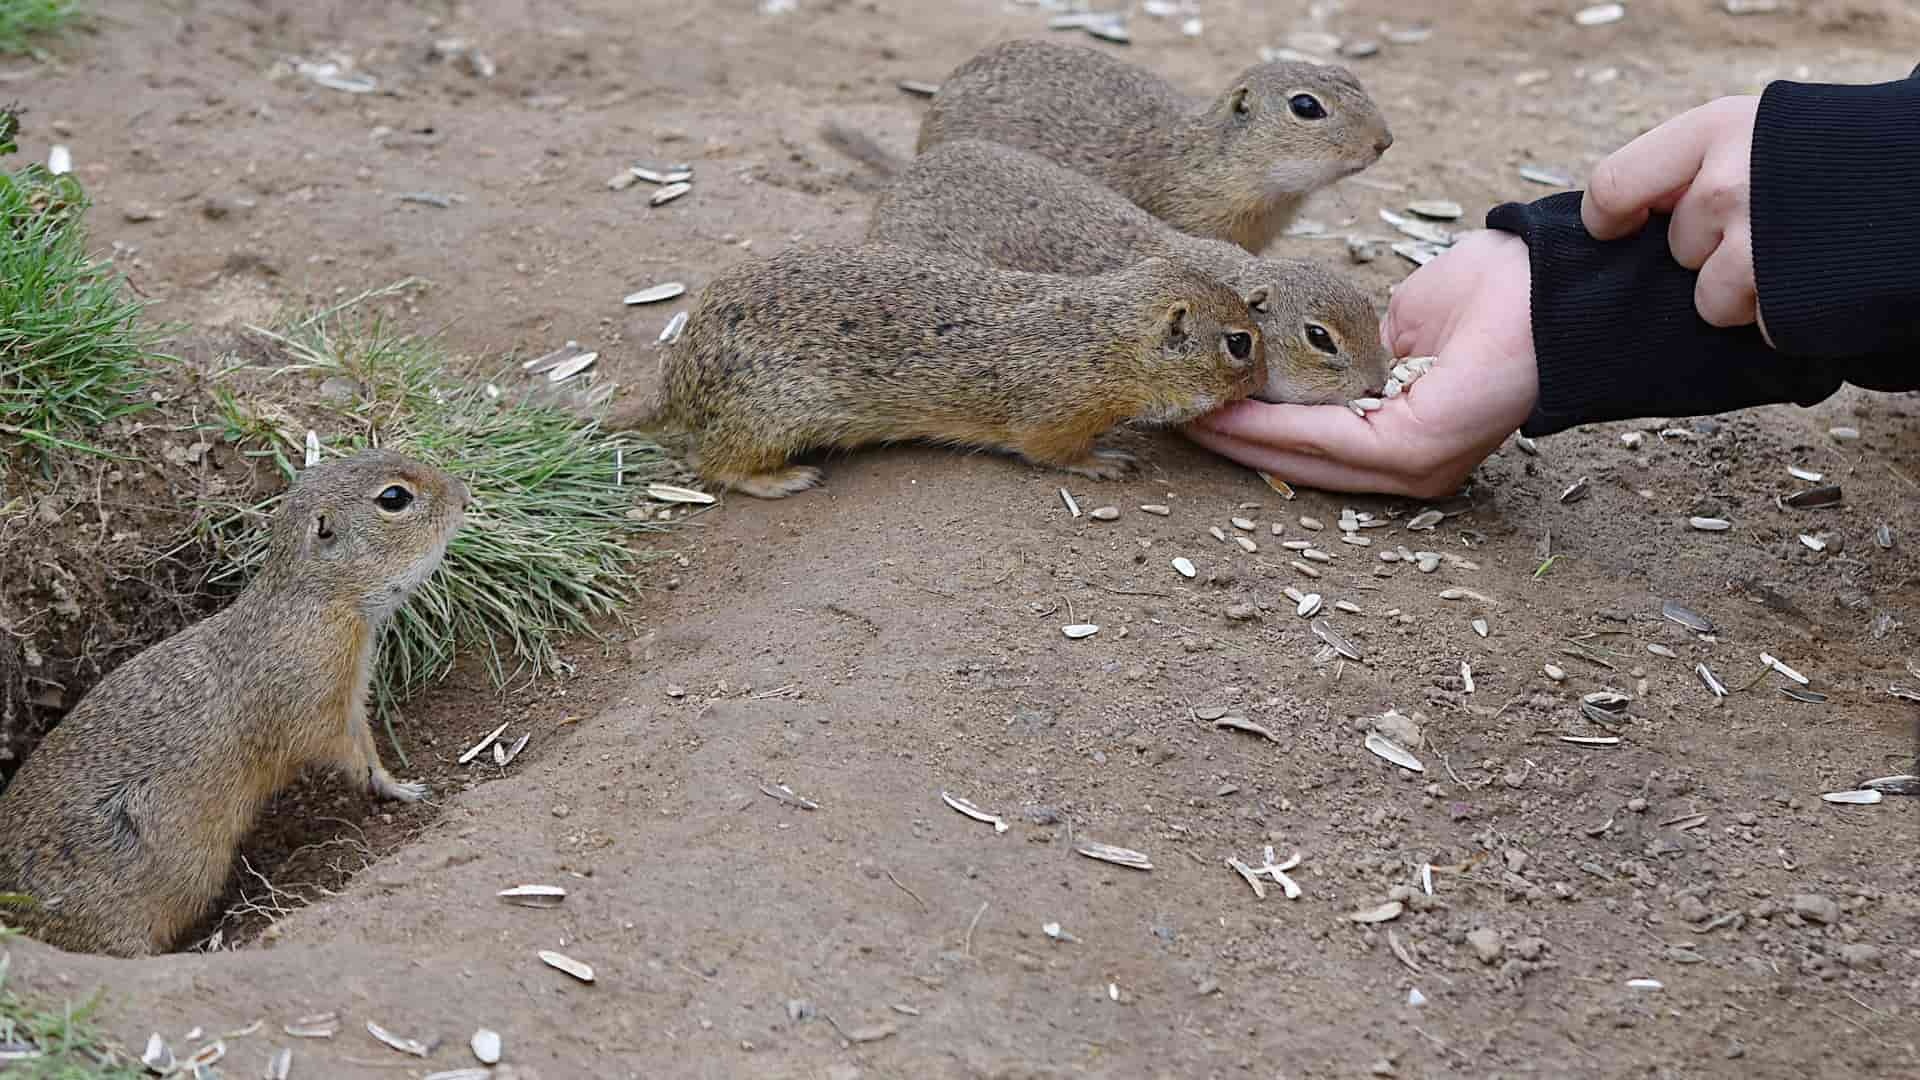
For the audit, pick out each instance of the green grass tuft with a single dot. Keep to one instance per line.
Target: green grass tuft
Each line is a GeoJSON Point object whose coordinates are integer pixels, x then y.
{"type": "Point", "coordinates": [22, 20]}
{"type": "Point", "coordinates": [542, 556]}
{"type": "Point", "coordinates": [71, 352]}
{"type": "Point", "coordinates": [63, 1037]}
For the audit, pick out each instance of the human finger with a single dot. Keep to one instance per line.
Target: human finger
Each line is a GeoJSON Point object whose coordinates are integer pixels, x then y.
{"type": "Point", "coordinates": [1324, 430]}
{"type": "Point", "coordinates": [1724, 294]}
{"type": "Point", "coordinates": [1628, 182]}
{"type": "Point", "coordinates": [1306, 470]}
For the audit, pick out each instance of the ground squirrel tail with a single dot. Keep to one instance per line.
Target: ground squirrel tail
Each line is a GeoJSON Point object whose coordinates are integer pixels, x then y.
{"type": "Point", "coordinates": [863, 148]}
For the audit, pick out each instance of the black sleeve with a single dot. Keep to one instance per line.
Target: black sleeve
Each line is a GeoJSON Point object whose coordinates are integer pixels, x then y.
{"type": "Point", "coordinates": [1836, 217]}
{"type": "Point", "coordinates": [1837, 245]}
{"type": "Point", "coordinates": [1616, 335]}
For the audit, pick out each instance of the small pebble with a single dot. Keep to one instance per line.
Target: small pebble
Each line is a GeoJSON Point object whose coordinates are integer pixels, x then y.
{"type": "Point", "coordinates": [1486, 945]}
{"type": "Point", "coordinates": [1555, 672]}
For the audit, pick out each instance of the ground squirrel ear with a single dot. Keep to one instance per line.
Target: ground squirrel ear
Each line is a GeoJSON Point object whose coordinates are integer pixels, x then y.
{"type": "Point", "coordinates": [1176, 320]}
{"type": "Point", "coordinates": [1257, 301]}
{"type": "Point", "coordinates": [1239, 100]}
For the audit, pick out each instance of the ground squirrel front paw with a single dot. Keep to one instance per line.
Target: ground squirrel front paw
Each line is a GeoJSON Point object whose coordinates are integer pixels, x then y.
{"type": "Point", "coordinates": [386, 787]}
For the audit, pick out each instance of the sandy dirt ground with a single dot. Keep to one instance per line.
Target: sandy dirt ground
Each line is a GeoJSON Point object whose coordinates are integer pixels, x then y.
{"type": "Point", "coordinates": [897, 633]}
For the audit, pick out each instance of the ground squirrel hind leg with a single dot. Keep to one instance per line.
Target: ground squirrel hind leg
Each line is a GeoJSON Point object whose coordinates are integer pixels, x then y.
{"type": "Point", "coordinates": [1078, 455]}
{"type": "Point", "coordinates": [363, 764]}
{"type": "Point", "coordinates": [763, 472]}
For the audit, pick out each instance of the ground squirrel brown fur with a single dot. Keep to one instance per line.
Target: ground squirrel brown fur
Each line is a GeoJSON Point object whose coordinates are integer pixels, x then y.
{"type": "Point", "coordinates": [1010, 208]}
{"type": "Point", "coordinates": [1235, 168]}
{"type": "Point", "coordinates": [835, 347]}
{"type": "Point", "coordinates": [122, 826]}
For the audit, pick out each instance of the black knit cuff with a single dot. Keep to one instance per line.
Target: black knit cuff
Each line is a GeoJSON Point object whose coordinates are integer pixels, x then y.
{"type": "Point", "coordinates": [1616, 334]}
{"type": "Point", "coordinates": [1836, 217]}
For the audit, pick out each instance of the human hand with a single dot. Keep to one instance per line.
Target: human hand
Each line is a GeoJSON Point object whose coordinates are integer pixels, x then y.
{"type": "Point", "coordinates": [1695, 167]}
{"type": "Point", "coordinates": [1470, 309]}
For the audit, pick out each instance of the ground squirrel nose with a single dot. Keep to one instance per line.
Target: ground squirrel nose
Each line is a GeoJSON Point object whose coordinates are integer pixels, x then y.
{"type": "Point", "coordinates": [1385, 140]}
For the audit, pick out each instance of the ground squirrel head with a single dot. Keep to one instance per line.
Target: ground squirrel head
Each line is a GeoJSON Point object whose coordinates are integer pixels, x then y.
{"type": "Point", "coordinates": [1322, 333]}
{"type": "Point", "coordinates": [1296, 126]}
{"type": "Point", "coordinates": [1204, 348]}
{"type": "Point", "coordinates": [368, 529]}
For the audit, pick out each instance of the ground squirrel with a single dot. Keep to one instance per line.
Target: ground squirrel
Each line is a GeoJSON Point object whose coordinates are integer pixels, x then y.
{"type": "Point", "coordinates": [1235, 168]}
{"type": "Point", "coordinates": [122, 826]}
{"type": "Point", "coordinates": [835, 347]}
{"type": "Point", "coordinates": [1010, 208]}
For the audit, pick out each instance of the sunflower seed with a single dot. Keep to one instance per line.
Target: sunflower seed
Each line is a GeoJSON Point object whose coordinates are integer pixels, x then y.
{"type": "Point", "coordinates": [1686, 617]}
{"type": "Point", "coordinates": [1862, 797]}
{"type": "Point", "coordinates": [1632, 439]}
{"type": "Point", "coordinates": [406, 1046]}
{"type": "Point", "coordinates": [567, 370]}
{"type": "Point", "coordinates": [1547, 177]}
{"type": "Point", "coordinates": [480, 747]}
{"type": "Point", "coordinates": [1783, 669]}
{"type": "Point", "coordinates": [1843, 434]}
{"type": "Point", "coordinates": [1210, 712]}
{"type": "Point", "coordinates": [1279, 486]}
{"type": "Point", "coordinates": [1599, 14]}
{"type": "Point", "coordinates": [671, 332]}
{"type": "Point", "coordinates": [1425, 520]}
{"type": "Point", "coordinates": [1713, 684]}
{"type": "Point", "coordinates": [672, 494]}
{"type": "Point", "coordinates": [1426, 561]}
{"type": "Point", "coordinates": [622, 180]}
{"type": "Point", "coordinates": [1480, 627]}
{"type": "Point", "coordinates": [1155, 509]}
{"type": "Point", "coordinates": [1185, 567]}
{"type": "Point", "coordinates": [1750, 7]}
{"type": "Point", "coordinates": [1466, 677]}
{"type": "Point", "coordinates": [1812, 543]}
{"type": "Point", "coordinates": [1316, 555]}
{"type": "Point", "coordinates": [669, 193]}
{"type": "Point", "coordinates": [1388, 750]}
{"type": "Point", "coordinates": [1904, 693]}
{"type": "Point", "coordinates": [1465, 594]}
{"type": "Point", "coordinates": [918, 88]}
{"type": "Point", "coordinates": [1080, 630]}
{"type": "Point", "coordinates": [1883, 536]}
{"type": "Point", "coordinates": [1119, 856]}
{"type": "Point", "coordinates": [1421, 231]}
{"type": "Point", "coordinates": [1813, 498]}
{"type": "Point", "coordinates": [485, 1046]}
{"type": "Point", "coordinates": [1067, 497]}
{"type": "Point", "coordinates": [1217, 533]}
{"type": "Point", "coordinates": [1309, 606]}
{"type": "Point", "coordinates": [1808, 475]}
{"type": "Point", "coordinates": [656, 293]}
{"type": "Point", "coordinates": [1418, 252]}
{"type": "Point", "coordinates": [534, 896]}
{"type": "Point", "coordinates": [1575, 491]}
{"type": "Point", "coordinates": [1658, 649]}
{"type": "Point", "coordinates": [1334, 638]}
{"type": "Point", "coordinates": [157, 1057]}
{"type": "Point", "coordinates": [1386, 912]}
{"type": "Point", "coordinates": [313, 452]}
{"type": "Point", "coordinates": [1349, 607]}
{"type": "Point", "coordinates": [1304, 568]}
{"type": "Point", "coordinates": [974, 812]}
{"type": "Point", "coordinates": [1904, 784]}
{"type": "Point", "coordinates": [459, 1074]}
{"type": "Point", "coordinates": [1246, 545]}
{"type": "Point", "coordinates": [1707, 524]}
{"type": "Point", "coordinates": [1437, 209]}
{"type": "Point", "coordinates": [280, 1066]}
{"type": "Point", "coordinates": [561, 962]}
{"type": "Point", "coordinates": [1555, 672]}
{"type": "Point", "coordinates": [553, 359]}
{"type": "Point", "coordinates": [314, 1026]}
{"type": "Point", "coordinates": [1241, 723]}
{"type": "Point", "coordinates": [1645, 984]}
{"type": "Point", "coordinates": [1104, 513]}
{"type": "Point", "coordinates": [59, 160]}
{"type": "Point", "coordinates": [1591, 740]}
{"type": "Point", "coordinates": [666, 174]}
{"type": "Point", "coordinates": [1805, 697]}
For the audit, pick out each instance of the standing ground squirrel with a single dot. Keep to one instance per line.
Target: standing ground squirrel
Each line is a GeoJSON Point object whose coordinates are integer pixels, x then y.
{"type": "Point", "coordinates": [1006, 207]}
{"type": "Point", "coordinates": [1236, 168]}
{"type": "Point", "coordinates": [122, 826]}
{"type": "Point", "coordinates": [840, 347]}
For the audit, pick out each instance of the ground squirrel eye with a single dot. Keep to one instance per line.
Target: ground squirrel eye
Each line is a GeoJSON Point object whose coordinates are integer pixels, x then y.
{"type": "Point", "coordinates": [1318, 337]}
{"type": "Point", "coordinates": [394, 499]}
{"type": "Point", "coordinates": [1240, 345]}
{"type": "Point", "coordinates": [1307, 107]}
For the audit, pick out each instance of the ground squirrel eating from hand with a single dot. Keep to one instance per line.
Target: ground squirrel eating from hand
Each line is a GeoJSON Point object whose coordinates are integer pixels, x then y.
{"type": "Point", "coordinates": [122, 826]}
{"type": "Point", "coordinates": [821, 348]}
{"type": "Point", "coordinates": [1010, 208]}
{"type": "Point", "coordinates": [1235, 168]}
